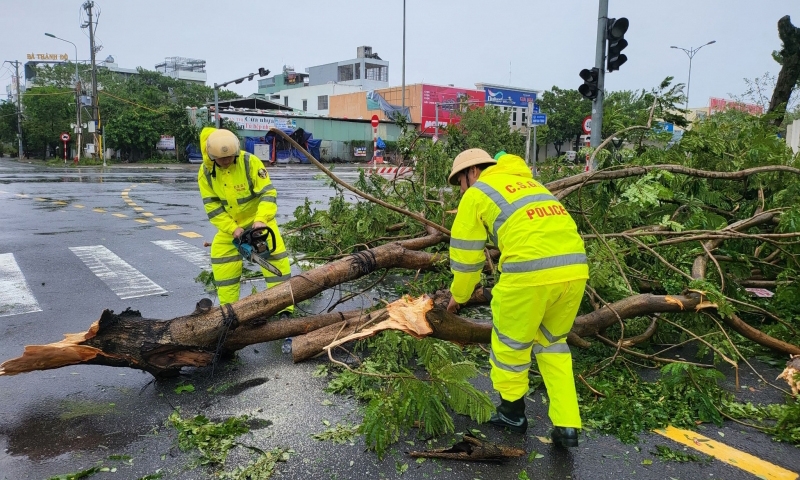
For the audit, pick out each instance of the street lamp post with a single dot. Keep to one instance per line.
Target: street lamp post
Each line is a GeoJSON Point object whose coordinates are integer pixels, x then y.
{"type": "Point", "coordinates": [78, 128]}
{"type": "Point", "coordinates": [691, 52]}
{"type": "Point", "coordinates": [262, 72]}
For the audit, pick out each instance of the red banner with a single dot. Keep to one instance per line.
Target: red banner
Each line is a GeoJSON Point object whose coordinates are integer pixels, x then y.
{"type": "Point", "coordinates": [451, 101]}
{"type": "Point", "coordinates": [720, 105]}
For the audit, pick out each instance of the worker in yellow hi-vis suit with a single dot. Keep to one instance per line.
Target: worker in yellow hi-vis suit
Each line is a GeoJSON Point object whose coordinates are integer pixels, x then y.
{"type": "Point", "coordinates": [237, 194]}
{"type": "Point", "coordinates": [543, 273]}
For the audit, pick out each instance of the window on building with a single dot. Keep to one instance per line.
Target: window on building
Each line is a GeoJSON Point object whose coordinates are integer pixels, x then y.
{"type": "Point", "coordinates": [285, 101]}
{"type": "Point", "coordinates": [305, 105]}
{"type": "Point", "coordinates": [358, 70]}
{"type": "Point", "coordinates": [345, 72]}
{"type": "Point", "coordinates": [524, 118]}
{"type": "Point", "coordinates": [376, 72]}
{"type": "Point", "coordinates": [275, 97]}
{"type": "Point", "coordinates": [322, 102]}
{"type": "Point", "coordinates": [514, 117]}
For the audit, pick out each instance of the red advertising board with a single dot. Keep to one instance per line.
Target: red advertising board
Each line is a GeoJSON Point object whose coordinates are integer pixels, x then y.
{"type": "Point", "coordinates": [720, 105]}
{"type": "Point", "coordinates": [451, 101]}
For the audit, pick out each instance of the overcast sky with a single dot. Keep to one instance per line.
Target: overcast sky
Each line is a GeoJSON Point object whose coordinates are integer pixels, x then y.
{"type": "Point", "coordinates": [524, 43]}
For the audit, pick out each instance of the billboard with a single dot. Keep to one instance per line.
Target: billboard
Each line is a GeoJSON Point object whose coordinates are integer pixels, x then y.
{"type": "Point", "coordinates": [507, 97]}
{"type": "Point", "coordinates": [720, 105]}
{"type": "Point", "coordinates": [166, 143]}
{"type": "Point", "coordinates": [450, 100]}
{"type": "Point", "coordinates": [254, 122]}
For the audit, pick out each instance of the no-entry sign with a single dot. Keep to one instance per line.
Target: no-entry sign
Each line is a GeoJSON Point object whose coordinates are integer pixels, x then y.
{"type": "Point", "coordinates": [375, 121]}
{"type": "Point", "coordinates": [65, 137]}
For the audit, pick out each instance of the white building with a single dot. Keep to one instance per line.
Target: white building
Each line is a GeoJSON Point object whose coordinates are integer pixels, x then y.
{"type": "Point", "coordinates": [513, 100]}
{"type": "Point", "coordinates": [311, 93]}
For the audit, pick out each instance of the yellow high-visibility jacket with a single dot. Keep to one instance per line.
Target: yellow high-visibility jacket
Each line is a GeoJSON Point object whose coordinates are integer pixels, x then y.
{"type": "Point", "coordinates": [238, 196]}
{"type": "Point", "coordinates": [538, 240]}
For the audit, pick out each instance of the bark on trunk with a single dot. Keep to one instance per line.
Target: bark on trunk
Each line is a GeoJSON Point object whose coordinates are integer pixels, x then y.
{"type": "Point", "coordinates": [163, 347]}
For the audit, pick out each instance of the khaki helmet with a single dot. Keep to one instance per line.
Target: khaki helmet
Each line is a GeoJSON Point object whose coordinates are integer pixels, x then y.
{"type": "Point", "coordinates": [222, 143]}
{"type": "Point", "coordinates": [466, 159]}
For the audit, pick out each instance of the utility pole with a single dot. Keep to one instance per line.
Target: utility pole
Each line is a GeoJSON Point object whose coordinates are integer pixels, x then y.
{"type": "Point", "coordinates": [599, 63]}
{"type": "Point", "coordinates": [404, 57]}
{"type": "Point", "coordinates": [19, 106]}
{"type": "Point", "coordinates": [88, 6]}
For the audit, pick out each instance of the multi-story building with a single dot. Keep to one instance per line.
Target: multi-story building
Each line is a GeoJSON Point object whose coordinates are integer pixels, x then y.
{"type": "Point", "coordinates": [428, 105]}
{"type": "Point", "coordinates": [186, 69]}
{"type": "Point", "coordinates": [311, 92]}
{"type": "Point", "coordinates": [180, 68]}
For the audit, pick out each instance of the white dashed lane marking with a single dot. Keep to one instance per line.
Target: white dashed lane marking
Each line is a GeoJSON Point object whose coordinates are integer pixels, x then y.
{"type": "Point", "coordinates": [194, 255]}
{"type": "Point", "coordinates": [15, 295]}
{"type": "Point", "coordinates": [121, 278]}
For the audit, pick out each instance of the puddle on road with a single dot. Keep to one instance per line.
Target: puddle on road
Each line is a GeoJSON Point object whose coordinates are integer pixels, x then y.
{"type": "Point", "coordinates": [236, 389]}
{"type": "Point", "coordinates": [71, 426]}
{"type": "Point", "coordinates": [58, 233]}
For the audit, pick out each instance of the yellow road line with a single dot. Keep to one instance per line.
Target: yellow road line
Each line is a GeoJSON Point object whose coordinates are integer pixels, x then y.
{"type": "Point", "coordinates": [170, 227]}
{"type": "Point", "coordinates": [720, 451]}
{"type": "Point", "coordinates": [147, 214]}
{"type": "Point", "coordinates": [78, 206]}
{"type": "Point", "coordinates": [39, 199]}
{"type": "Point", "coordinates": [120, 215]}
{"type": "Point", "coordinates": [22, 195]}
{"type": "Point", "coordinates": [59, 202]}
{"type": "Point", "coordinates": [190, 234]}
{"type": "Point", "coordinates": [158, 219]}
{"type": "Point", "coordinates": [142, 220]}
{"type": "Point", "coordinates": [98, 210]}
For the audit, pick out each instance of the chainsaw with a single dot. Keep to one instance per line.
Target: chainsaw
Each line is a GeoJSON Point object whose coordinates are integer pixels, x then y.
{"type": "Point", "coordinates": [255, 244]}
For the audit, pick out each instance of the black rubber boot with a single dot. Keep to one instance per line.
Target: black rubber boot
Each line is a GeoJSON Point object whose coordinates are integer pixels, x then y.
{"type": "Point", "coordinates": [511, 415]}
{"type": "Point", "coordinates": [564, 437]}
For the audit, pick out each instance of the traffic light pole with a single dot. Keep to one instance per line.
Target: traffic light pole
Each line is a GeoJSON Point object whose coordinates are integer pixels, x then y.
{"type": "Point", "coordinates": [599, 63]}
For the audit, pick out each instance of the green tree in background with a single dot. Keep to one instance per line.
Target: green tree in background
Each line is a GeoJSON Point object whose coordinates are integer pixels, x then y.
{"type": "Point", "coordinates": [565, 111]}
{"type": "Point", "coordinates": [48, 112]}
{"type": "Point", "coordinates": [485, 128]}
{"type": "Point", "coordinates": [8, 125]}
{"type": "Point", "coordinates": [135, 110]}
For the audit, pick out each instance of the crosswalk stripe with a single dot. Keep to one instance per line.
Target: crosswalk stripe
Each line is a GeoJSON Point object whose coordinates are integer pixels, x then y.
{"type": "Point", "coordinates": [194, 255]}
{"type": "Point", "coordinates": [121, 277]}
{"type": "Point", "coordinates": [15, 296]}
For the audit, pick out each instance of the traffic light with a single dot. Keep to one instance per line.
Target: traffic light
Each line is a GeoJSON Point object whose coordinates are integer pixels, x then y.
{"type": "Point", "coordinates": [263, 72]}
{"type": "Point", "coordinates": [616, 43]}
{"type": "Point", "coordinates": [589, 87]}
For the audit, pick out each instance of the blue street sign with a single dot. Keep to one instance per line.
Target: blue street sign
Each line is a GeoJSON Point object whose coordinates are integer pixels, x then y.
{"type": "Point", "coordinates": [506, 97]}
{"type": "Point", "coordinates": [538, 119]}
{"type": "Point", "coordinates": [662, 127]}
{"type": "Point", "coordinates": [535, 108]}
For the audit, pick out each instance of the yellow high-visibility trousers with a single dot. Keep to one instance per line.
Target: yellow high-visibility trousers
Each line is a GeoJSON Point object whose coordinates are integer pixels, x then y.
{"type": "Point", "coordinates": [536, 319]}
{"type": "Point", "coordinates": [226, 263]}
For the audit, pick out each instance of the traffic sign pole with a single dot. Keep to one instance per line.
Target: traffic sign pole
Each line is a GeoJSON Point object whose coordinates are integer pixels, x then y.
{"type": "Point", "coordinates": [528, 136]}
{"type": "Point", "coordinates": [375, 121]}
{"type": "Point", "coordinates": [65, 138]}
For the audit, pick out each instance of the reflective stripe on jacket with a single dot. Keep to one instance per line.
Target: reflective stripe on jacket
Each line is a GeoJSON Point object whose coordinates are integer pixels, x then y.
{"type": "Point", "coordinates": [538, 240]}
{"type": "Point", "coordinates": [236, 196]}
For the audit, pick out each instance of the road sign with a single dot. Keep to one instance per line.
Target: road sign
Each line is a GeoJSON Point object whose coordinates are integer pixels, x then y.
{"type": "Point", "coordinates": [586, 125]}
{"type": "Point", "coordinates": [535, 108]}
{"type": "Point", "coordinates": [538, 119]}
{"type": "Point", "coordinates": [65, 137]}
{"type": "Point", "coordinates": [375, 121]}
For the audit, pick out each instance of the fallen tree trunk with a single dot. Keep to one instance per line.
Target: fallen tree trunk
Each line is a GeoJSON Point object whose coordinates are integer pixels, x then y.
{"type": "Point", "coordinates": [163, 347]}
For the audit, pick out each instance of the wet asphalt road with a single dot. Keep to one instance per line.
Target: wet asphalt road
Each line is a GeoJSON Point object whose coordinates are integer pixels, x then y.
{"type": "Point", "coordinates": [65, 420]}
